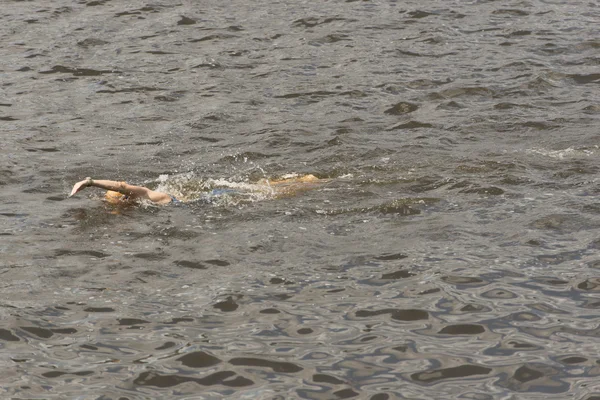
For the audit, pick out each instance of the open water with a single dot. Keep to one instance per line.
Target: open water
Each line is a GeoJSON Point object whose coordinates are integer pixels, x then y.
{"type": "Point", "coordinates": [452, 252]}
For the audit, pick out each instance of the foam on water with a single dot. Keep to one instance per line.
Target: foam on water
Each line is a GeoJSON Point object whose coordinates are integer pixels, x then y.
{"type": "Point", "coordinates": [569, 152]}
{"type": "Point", "coordinates": [191, 188]}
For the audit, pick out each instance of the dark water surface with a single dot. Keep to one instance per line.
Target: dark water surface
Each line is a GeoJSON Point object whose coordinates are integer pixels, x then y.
{"type": "Point", "coordinates": [453, 253]}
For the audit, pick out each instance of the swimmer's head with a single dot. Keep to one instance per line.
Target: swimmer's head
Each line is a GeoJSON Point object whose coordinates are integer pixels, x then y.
{"type": "Point", "coordinates": [114, 197]}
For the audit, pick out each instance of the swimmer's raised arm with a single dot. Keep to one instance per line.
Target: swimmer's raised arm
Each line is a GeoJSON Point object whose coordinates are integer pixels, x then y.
{"type": "Point", "coordinates": [134, 192]}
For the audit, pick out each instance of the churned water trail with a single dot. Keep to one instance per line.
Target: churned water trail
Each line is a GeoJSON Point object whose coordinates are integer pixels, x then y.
{"type": "Point", "coordinates": [448, 250]}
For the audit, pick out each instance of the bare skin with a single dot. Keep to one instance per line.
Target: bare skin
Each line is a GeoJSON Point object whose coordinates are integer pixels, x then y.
{"type": "Point", "coordinates": [288, 187]}
{"type": "Point", "coordinates": [282, 188]}
{"type": "Point", "coordinates": [133, 192]}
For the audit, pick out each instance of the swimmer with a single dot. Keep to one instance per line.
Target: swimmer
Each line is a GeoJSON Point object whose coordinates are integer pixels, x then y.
{"type": "Point", "coordinates": [124, 193]}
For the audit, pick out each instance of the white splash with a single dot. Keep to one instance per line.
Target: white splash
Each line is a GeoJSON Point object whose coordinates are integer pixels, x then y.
{"type": "Point", "coordinates": [189, 188]}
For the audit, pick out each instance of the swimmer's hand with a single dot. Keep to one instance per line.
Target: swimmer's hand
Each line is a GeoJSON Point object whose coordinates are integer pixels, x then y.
{"type": "Point", "coordinates": [79, 186]}
{"type": "Point", "coordinates": [133, 192]}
